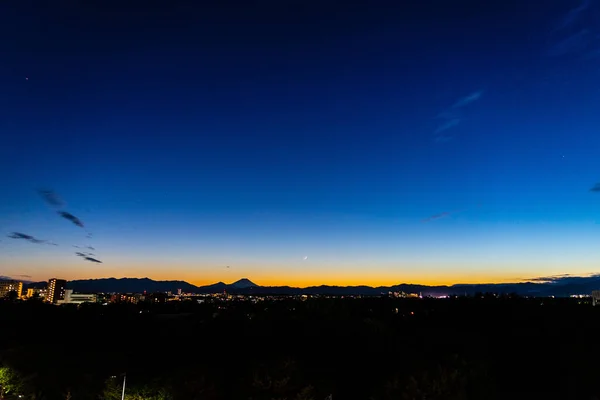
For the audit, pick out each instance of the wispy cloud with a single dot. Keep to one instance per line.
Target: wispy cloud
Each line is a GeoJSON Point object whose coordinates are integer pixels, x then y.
{"type": "Point", "coordinates": [18, 235]}
{"type": "Point", "coordinates": [562, 279]}
{"type": "Point", "coordinates": [24, 276]}
{"type": "Point", "coordinates": [50, 197]}
{"type": "Point", "coordinates": [447, 125]}
{"type": "Point", "coordinates": [86, 256]}
{"type": "Point", "coordinates": [71, 217]}
{"type": "Point", "coordinates": [29, 238]}
{"type": "Point", "coordinates": [592, 54]}
{"type": "Point", "coordinates": [547, 279]}
{"type": "Point", "coordinates": [595, 188]}
{"type": "Point", "coordinates": [573, 15]}
{"type": "Point", "coordinates": [468, 99]}
{"type": "Point", "coordinates": [574, 43]}
{"type": "Point", "coordinates": [436, 217]}
{"type": "Point", "coordinates": [443, 139]}
{"type": "Point", "coordinates": [575, 33]}
{"type": "Point", "coordinates": [450, 118]}
{"type": "Point", "coordinates": [84, 247]}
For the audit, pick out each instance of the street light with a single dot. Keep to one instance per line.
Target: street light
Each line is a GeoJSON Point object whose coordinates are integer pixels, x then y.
{"type": "Point", "coordinates": [123, 395]}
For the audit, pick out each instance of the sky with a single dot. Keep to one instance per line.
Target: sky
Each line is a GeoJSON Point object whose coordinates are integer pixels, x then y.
{"type": "Point", "coordinates": [300, 142]}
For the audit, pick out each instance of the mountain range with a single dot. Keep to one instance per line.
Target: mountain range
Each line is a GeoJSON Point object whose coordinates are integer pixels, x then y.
{"type": "Point", "coordinates": [564, 285]}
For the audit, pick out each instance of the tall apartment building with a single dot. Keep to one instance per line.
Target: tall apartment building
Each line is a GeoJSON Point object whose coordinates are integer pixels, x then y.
{"type": "Point", "coordinates": [10, 286]}
{"type": "Point", "coordinates": [56, 290]}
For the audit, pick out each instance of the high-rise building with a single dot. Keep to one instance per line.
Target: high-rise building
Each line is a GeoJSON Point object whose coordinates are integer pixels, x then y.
{"type": "Point", "coordinates": [56, 290]}
{"type": "Point", "coordinates": [11, 286]}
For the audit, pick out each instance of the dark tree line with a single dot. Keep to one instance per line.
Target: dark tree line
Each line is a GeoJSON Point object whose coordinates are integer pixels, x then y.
{"type": "Point", "coordinates": [372, 348]}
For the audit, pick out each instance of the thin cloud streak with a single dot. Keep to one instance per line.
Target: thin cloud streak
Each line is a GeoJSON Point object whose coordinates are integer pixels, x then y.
{"type": "Point", "coordinates": [23, 236]}
{"type": "Point", "coordinates": [84, 247]}
{"type": "Point", "coordinates": [444, 127]}
{"type": "Point", "coordinates": [575, 43]}
{"type": "Point", "coordinates": [450, 118]}
{"type": "Point", "coordinates": [71, 217]}
{"type": "Point", "coordinates": [468, 99]}
{"type": "Point", "coordinates": [562, 279]}
{"type": "Point", "coordinates": [443, 139]}
{"type": "Point", "coordinates": [436, 217]}
{"type": "Point", "coordinates": [573, 15]}
{"type": "Point", "coordinates": [50, 197]}
{"type": "Point", "coordinates": [548, 278]}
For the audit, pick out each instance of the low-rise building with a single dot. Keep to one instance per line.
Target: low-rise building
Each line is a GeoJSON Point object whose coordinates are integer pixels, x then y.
{"type": "Point", "coordinates": [78, 298]}
{"type": "Point", "coordinates": [33, 292]}
{"type": "Point", "coordinates": [595, 297]}
{"type": "Point", "coordinates": [127, 298]}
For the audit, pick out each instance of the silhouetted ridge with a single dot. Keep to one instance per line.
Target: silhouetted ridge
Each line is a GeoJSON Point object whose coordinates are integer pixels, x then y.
{"type": "Point", "coordinates": [542, 286]}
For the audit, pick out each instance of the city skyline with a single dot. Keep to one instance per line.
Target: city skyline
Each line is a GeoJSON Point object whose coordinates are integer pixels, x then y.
{"type": "Point", "coordinates": [387, 145]}
{"type": "Point", "coordinates": [562, 286]}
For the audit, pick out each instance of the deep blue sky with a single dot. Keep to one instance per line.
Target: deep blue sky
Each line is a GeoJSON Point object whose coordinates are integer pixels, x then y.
{"type": "Point", "coordinates": [421, 141]}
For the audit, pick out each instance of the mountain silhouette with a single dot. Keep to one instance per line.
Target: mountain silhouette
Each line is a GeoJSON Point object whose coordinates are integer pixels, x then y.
{"type": "Point", "coordinates": [128, 285]}
{"type": "Point", "coordinates": [243, 284]}
{"type": "Point", "coordinates": [543, 286]}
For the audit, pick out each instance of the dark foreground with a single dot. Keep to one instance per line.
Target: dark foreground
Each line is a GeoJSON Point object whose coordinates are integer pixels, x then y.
{"type": "Point", "coordinates": [471, 348]}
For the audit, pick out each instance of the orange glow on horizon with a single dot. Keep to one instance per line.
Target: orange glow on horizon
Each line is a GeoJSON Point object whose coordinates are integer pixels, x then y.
{"type": "Point", "coordinates": [302, 283]}
{"type": "Point", "coordinates": [310, 275]}
{"type": "Point", "coordinates": [294, 281]}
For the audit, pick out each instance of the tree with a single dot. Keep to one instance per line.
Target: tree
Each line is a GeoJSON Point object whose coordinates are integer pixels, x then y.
{"type": "Point", "coordinates": [280, 381]}
{"type": "Point", "coordinates": [113, 391]}
{"type": "Point", "coordinates": [10, 382]}
{"type": "Point", "coordinates": [12, 295]}
{"type": "Point", "coordinates": [35, 297]}
{"type": "Point", "coordinates": [452, 379]}
{"type": "Point", "coordinates": [305, 394]}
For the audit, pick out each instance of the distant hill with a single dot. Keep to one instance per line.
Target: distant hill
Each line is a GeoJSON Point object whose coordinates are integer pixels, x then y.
{"type": "Point", "coordinates": [140, 285]}
{"type": "Point", "coordinates": [551, 286]}
{"type": "Point", "coordinates": [129, 285]}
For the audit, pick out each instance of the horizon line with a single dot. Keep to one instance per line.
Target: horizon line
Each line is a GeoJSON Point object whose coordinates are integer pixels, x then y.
{"type": "Point", "coordinates": [536, 280]}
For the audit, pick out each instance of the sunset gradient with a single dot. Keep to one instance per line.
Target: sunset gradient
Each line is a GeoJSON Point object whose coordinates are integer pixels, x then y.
{"type": "Point", "coordinates": [298, 148]}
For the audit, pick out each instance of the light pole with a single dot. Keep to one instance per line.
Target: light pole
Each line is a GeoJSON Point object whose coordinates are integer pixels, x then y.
{"type": "Point", "coordinates": [124, 378]}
